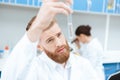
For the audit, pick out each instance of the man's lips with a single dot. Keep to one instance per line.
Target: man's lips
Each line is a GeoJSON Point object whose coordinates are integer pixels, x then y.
{"type": "Point", "coordinates": [60, 50]}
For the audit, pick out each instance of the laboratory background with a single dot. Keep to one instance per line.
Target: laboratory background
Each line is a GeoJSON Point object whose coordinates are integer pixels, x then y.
{"type": "Point", "coordinates": [102, 15]}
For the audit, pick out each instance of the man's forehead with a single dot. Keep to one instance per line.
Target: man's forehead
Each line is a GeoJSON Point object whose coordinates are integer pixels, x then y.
{"type": "Point", "coordinates": [52, 31]}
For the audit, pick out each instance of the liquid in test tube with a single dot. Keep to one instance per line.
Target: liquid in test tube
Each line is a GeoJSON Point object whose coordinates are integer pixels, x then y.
{"type": "Point", "coordinates": [70, 26]}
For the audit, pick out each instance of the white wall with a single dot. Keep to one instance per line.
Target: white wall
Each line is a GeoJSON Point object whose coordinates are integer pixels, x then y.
{"type": "Point", "coordinates": [114, 33]}
{"type": "Point", "coordinates": [13, 21]}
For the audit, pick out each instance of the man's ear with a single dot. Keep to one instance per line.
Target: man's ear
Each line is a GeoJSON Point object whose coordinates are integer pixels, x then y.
{"type": "Point", "coordinates": [39, 48]}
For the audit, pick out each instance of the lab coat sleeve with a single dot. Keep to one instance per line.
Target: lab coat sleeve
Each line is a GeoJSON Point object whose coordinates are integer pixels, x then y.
{"type": "Point", "coordinates": [84, 70]}
{"type": "Point", "coordinates": [19, 60]}
{"type": "Point", "coordinates": [32, 73]}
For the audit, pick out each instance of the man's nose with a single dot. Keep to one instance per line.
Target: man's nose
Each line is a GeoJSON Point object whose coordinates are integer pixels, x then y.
{"type": "Point", "coordinates": [58, 42]}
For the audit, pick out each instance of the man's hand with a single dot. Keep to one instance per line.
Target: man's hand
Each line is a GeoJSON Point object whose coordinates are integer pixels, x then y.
{"type": "Point", "coordinates": [67, 1]}
{"type": "Point", "coordinates": [50, 8]}
{"type": "Point", "coordinates": [46, 13]}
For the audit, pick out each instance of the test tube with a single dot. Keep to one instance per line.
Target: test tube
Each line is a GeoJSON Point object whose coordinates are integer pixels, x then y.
{"type": "Point", "coordinates": [89, 4]}
{"type": "Point", "coordinates": [70, 25]}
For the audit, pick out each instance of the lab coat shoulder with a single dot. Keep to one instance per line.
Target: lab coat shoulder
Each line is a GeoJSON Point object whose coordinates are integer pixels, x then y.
{"type": "Point", "coordinates": [81, 64]}
{"type": "Point", "coordinates": [21, 55]}
{"type": "Point", "coordinates": [95, 44]}
{"type": "Point", "coordinates": [79, 60]}
{"type": "Point", "coordinates": [95, 49]}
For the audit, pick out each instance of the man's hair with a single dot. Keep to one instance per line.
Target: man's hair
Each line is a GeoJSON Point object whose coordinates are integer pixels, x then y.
{"type": "Point", "coordinates": [83, 29]}
{"type": "Point", "coordinates": [30, 23]}
{"type": "Point", "coordinates": [32, 20]}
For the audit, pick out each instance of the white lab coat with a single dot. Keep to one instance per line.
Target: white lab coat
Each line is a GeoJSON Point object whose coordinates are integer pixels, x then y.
{"type": "Point", "coordinates": [93, 51]}
{"type": "Point", "coordinates": [19, 60]}
{"type": "Point", "coordinates": [23, 65]}
{"type": "Point", "coordinates": [77, 68]}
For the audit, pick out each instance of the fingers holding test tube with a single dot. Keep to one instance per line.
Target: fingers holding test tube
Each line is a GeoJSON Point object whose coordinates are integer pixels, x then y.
{"type": "Point", "coordinates": [46, 13]}
{"type": "Point", "coordinates": [67, 1]}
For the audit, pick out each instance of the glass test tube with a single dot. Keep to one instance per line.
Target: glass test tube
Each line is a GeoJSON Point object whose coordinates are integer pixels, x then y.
{"type": "Point", "coordinates": [89, 4]}
{"type": "Point", "coordinates": [70, 26]}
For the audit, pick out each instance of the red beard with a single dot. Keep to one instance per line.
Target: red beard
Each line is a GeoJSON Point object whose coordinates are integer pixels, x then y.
{"type": "Point", "coordinates": [60, 55]}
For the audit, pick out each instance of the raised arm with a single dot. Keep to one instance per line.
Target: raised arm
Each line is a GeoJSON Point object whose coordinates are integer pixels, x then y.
{"type": "Point", "coordinates": [45, 15]}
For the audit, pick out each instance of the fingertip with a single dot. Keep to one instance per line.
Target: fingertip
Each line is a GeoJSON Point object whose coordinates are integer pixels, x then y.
{"type": "Point", "coordinates": [70, 2]}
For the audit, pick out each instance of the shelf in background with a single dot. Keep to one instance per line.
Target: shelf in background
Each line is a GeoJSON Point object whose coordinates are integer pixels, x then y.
{"type": "Point", "coordinates": [24, 3]}
{"type": "Point", "coordinates": [94, 6]}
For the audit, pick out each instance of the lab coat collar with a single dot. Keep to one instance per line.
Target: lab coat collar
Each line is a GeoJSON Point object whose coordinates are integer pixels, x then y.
{"type": "Point", "coordinates": [53, 63]}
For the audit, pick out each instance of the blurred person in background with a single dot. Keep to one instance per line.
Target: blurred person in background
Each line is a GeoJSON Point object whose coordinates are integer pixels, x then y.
{"type": "Point", "coordinates": [90, 48]}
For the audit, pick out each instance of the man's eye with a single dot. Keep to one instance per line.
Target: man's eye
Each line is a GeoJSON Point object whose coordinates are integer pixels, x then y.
{"type": "Point", "coordinates": [50, 40]}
